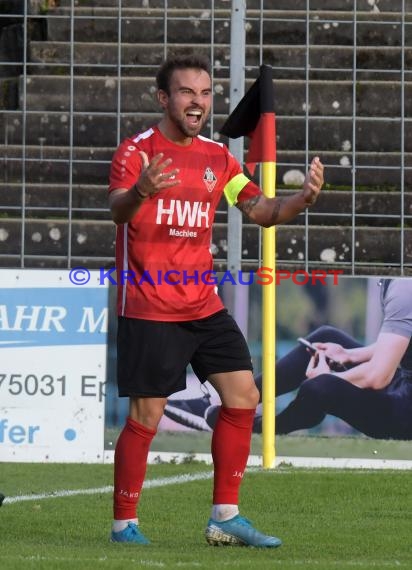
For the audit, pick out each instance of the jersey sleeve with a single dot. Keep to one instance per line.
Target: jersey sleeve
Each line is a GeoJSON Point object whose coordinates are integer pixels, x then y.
{"type": "Point", "coordinates": [238, 187]}
{"type": "Point", "coordinates": [126, 166]}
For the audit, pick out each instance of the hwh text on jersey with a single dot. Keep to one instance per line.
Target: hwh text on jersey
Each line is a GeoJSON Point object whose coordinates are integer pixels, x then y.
{"type": "Point", "coordinates": [191, 214]}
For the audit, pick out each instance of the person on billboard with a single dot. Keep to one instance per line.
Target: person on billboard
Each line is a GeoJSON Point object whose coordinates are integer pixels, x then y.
{"type": "Point", "coordinates": [369, 387]}
{"type": "Point", "coordinates": [165, 185]}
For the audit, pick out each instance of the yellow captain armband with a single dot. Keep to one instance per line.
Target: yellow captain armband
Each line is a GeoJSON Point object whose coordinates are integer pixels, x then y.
{"type": "Point", "coordinates": [234, 187]}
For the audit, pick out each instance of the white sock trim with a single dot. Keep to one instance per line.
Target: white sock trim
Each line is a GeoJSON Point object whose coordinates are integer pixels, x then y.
{"type": "Point", "coordinates": [224, 512]}
{"type": "Point", "coordinates": [119, 525]}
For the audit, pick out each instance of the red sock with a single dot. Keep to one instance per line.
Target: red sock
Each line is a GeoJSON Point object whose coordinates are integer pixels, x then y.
{"type": "Point", "coordinates": [130, 461]}
{"type": "Point", "coordinates": [230, 452]}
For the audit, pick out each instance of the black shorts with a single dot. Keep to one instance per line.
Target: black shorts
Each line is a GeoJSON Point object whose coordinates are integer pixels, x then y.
{"type": "Point", "coordinates": [152, 356]}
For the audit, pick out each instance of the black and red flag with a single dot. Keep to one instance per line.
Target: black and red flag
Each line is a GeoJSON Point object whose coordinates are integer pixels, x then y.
{"type": "Point", "coordinates": [254, 117]}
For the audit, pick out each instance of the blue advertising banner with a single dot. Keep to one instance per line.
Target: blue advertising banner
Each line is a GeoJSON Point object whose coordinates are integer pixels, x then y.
{"type": "Point", "coordinates": [53, 337]}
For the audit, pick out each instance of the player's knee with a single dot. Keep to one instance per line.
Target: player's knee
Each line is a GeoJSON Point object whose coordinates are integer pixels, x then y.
{"type": "Point", "coordinates": [306, 389]}
{"type": "Point", "coordinates": [254, 396]}
{"type": "Point", "coordinates": [249, 397]}
{"type": "Point", "coordinates": [316, 388]}
{"type": "Point", "coordinates": [147, 411]}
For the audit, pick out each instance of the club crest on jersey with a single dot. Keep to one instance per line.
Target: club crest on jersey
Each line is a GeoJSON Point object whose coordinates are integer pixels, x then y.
{"type": "Point", "coordinates": [209, 179]}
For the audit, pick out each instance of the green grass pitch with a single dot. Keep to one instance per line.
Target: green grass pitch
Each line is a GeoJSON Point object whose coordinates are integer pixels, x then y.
{"type": "Point", "coordinates": [327, 519]}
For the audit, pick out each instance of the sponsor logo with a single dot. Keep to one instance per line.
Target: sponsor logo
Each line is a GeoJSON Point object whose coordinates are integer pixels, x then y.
{"type": "Point", "coordinates": [238, 474]}
{"type": "Point", "coordinates": [209, 179]}
{"type": "Point", "coordinates": [183, 213]}
{"type": "Point", "coordinates": [182, 233]}
{"type": "Point", "coordinates": [130, 494]}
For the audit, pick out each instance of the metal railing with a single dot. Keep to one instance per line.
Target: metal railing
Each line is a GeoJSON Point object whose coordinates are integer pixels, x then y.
{"type": "Point", "coordinates": [79, 77]}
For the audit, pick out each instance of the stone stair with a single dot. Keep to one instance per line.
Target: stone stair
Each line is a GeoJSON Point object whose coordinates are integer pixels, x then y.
{"type": "Point", "coordinates": [72, 123]}
{"type": "Point", "coordinates": [53, 58]}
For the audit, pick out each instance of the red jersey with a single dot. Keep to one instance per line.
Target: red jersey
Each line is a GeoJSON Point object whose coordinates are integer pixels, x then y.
{"type": "Point", "coordinates": [163, 257]}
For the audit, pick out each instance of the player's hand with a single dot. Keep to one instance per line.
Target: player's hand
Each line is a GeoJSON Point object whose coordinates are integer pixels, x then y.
{"type": "Point", "coordinates": [313, 181]}
{"type": "Point", "coordinates": [155, 176]}
{"type": "Point", "coordinates": [334, 352]}
{"type": "Point", "coordinates": [317, 365]}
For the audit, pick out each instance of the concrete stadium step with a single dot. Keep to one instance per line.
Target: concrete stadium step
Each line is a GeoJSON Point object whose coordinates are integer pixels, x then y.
{"type": "Point", "coordinates": [85, 201]}
{"type": "Point", "coordinates": [50, 237]}
{"type": "Point", "coordinates": [45, 164]}
{"type": "Point", "coordinates": [49, 200]}
{"type": "Point", "coordinates": [372, 208]}
{"type": "Point", "coordinates": [52, 165]}
{"type": "Point", "coordinates": [101, 24]}
{"type": "Point", "coordinates": [365, 208]}
{"type": "Point", "coordinates": [339, 5]}
{"type": "Point", "coordinates": [9, 92]}
{"type": "Point", "coordinates": [193, 4]}
{"type": "Point", "coordinates": [54, 58]}
{"type": "Point", "coordinates": [326, 134]}
{"type": "Point", "coordinates": [289, 27]}
{"type": "Point", "coordinates": [328, 246]}
{"type": "Point", "coordinates": [334, 245]}
{"type": "Point", "coordinates": [92, 94]}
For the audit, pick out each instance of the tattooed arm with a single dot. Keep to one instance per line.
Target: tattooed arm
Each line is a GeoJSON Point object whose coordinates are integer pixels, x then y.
{"type": "Point", "coordinates": [271, 211]}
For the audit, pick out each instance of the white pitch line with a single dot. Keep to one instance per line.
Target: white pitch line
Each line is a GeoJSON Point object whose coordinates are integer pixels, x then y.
{"type": "Point", "coordinates": [301, 462]}
{"type": "Point", "coordinates": [149, 484]}
{"type": "Point", "coordinates": [254, 461]}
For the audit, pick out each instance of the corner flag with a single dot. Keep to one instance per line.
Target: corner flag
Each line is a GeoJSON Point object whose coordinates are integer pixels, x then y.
{"type": "Point", "coordinates": [254, 117]}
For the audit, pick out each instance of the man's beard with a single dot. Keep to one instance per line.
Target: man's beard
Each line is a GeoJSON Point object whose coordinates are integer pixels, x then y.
{"type": "Point", "coordinates": [186, 130]}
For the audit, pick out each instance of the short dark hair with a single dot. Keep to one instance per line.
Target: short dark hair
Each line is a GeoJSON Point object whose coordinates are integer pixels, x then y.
{"type": "Point", "coordinates": [193, 61]}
